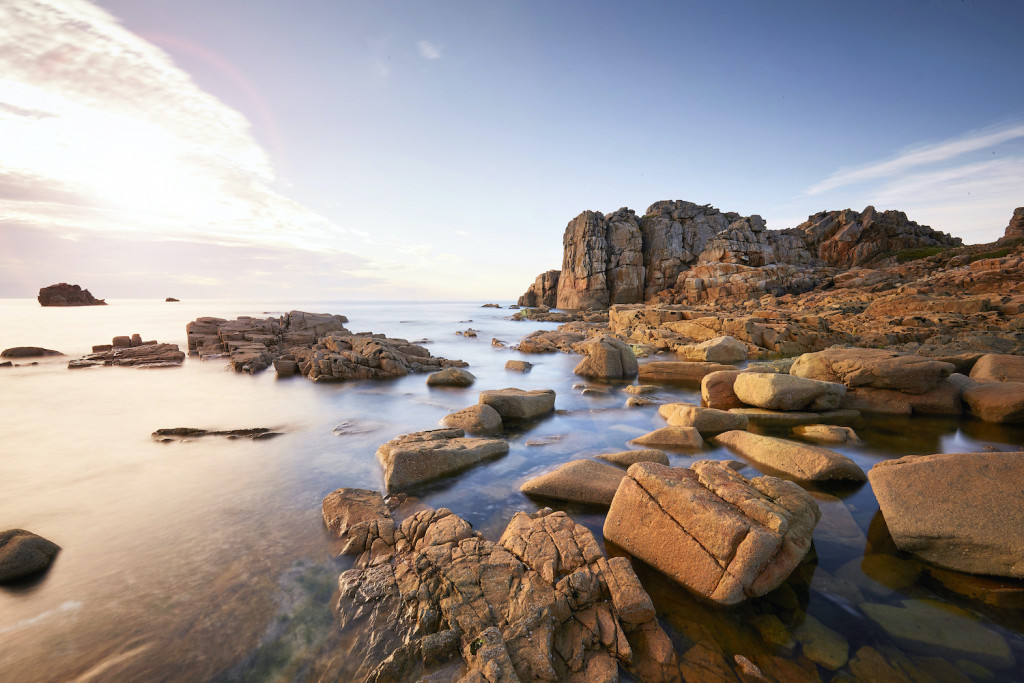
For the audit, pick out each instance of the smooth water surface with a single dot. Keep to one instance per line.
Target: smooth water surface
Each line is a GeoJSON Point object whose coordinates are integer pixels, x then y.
{"type": "Point", "coordinates": [207, 559]}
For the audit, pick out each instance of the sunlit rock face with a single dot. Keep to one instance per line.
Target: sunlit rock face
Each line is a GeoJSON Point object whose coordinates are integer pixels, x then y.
{"type": "Point", "coordinates": [602, 262]}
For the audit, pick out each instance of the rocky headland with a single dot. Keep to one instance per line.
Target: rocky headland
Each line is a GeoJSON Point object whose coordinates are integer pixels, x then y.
{"type": "Point", "coordinates": [63, 294]}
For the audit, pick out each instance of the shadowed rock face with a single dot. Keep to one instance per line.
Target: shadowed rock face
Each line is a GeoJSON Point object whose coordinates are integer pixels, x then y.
{"type": "Point", "coordinates": [432, 597]}
{"type": "Point", "coordinates": [1015, 230]}
{"type": "Point", "coordinates": [64, 294]}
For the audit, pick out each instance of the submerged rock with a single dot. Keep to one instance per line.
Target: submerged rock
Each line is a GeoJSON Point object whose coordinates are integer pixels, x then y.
{"type": "Point", "coordinates": [23, 554]}
{"type": "Point", "coordinates": [478, 419]}
{"type": "Point", "coordinates": [959, 510]}
{"type": "Point", "coordinates": [797, 460]}
{"type": "Point", "coordinates": [432, 597]}
{"type": "Point", "coordinates": [415, 458]}
{"type": "Point", "coordinates": [28, 352]}
{"type": "Point", "coordinates": [724, 537]}
{"type": "Point", "coordinates": [517, 404]}
{"type": "Point", "coordinates": [577, 481]}
{"type": "Point", "coordinates": [451, 377]}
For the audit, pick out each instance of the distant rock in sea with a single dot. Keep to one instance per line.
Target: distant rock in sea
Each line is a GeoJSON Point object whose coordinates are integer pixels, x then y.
{"type": "Point", "coordinates": [169, 299]}
{"type": "Point", "coordinates": [63, 294]}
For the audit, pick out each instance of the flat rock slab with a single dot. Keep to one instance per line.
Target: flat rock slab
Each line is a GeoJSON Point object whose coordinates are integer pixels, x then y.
{"type": "Point", "coordinates": [797, 460]}
{"type": "Point", "coordinates": [415, 458]}
{"type": "Point", "coordinates": [787, 392]}
{"type": "Point", "coordinates": [962, 511]}
{"type": "Point", "coordinates": [679, 370]}
{"type": "Point", "coordinates": [23, 554]}
{"type": "Point", "coordinates": [480, 419]}
{"type": "Point", "coordinates": [877, 368]}
{"type": "Point", "coordinates": [997, 402]}
{"type": "Point", "coordinates": [784, 418]}
{"type": "Point", "coordinates": [517, 404]}
{"type": "Point", "coordinates": [707, 421]}
{"type": "Point", "coordinates": [627, 458]}
{"type": "Point", "coordinates": [925, 626]}
{"type": "Point", "coordinates": [578, 481]}
{"type": "Point", "coordinates": [722, 536]}
{"type": "Point", "coordinates": [685, 438]}
{"type": "Point", "coordinates": [451, 377]}
{"type": "Point", "coordinates": [998, 367]}
{"type": "Point", "coordinates": [28, 352]}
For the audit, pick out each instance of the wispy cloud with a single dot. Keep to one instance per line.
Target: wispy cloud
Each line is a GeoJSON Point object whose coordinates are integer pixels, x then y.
{"type": "Point", "coordinates": [920, 156]}
{"type": "Point", "coordinates": [429, 50]}
{"type": "Point", "coordinates": [102, 131]}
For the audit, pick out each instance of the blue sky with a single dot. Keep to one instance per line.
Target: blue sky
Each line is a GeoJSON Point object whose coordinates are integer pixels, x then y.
{"type": "Point", "coordinates": [436, 150]}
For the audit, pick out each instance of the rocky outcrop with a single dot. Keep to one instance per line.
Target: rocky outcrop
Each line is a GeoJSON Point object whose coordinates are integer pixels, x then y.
{"type": "Point", "coordinates": [1015, 230]}
{"type": "Point", "coordinates": [132, 352]}
{"type": "Point", "coordinates": [64, 294]}
{"type": "Point", "coordinates": [431, 596]}
{"type": "Point", "coordinates": [683, 252]}
{"type": "Point", "coordinates": [543, 291]}
{"type": "Point", "coordinates": [602, 261]}
{"type": "Point", "coordinates": [419, 457]}
{"type": "Point", "coordinates": [24, 554]}
{"type": "Point", "coordinates": [722, 536]}
{"type": "Point", "coordinates": [316, 345]}
{"type": "Point", "coordinates": [959, 510]}
{"type": "Point", "coordinates": [845, 239]}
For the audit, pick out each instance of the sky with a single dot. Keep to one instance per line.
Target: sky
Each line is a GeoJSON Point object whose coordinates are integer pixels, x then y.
{"type": "Point", "coordinates": [324, 150]}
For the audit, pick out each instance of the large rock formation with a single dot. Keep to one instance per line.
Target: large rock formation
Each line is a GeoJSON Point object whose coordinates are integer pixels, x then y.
{"type": "Point", "coordinates": [683, 252]}
{"type": "Point", "coordinates": [543, 291]}
{"type": "Point", "coordinates": [63, 294]}
{"type": "Point", "coordinates": [1015, 230]}
{"type": "Point", "coordinates": [431, 599]}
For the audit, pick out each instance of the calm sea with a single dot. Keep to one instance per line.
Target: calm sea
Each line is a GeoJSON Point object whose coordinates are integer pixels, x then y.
{"type": "Point", "coordinates": [208, 560]}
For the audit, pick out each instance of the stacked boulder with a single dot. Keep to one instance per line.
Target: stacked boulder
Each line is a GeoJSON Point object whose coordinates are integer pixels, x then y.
{"type": "Point", "coordinates": [997, 394]}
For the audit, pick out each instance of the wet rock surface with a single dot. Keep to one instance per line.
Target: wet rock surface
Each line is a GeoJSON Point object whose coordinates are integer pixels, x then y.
{"type": "Point", "coordinates": [189, 433]}
{"type": "Point", "coordinates": [431, 599]}
{"type": "Point", "coordinates": [24, 554]}
{"type": "Point", "coordinates": [577, 481]}
{"type": "Point", "coordinates": [799, 461]}
{"type": "Point", "coordinates": [419, 457]}
{"type": "Point", "coordinates": [517, 404]}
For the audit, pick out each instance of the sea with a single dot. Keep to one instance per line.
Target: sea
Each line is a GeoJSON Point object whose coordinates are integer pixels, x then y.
{"type": "Point", "coordinates": [206, 559]}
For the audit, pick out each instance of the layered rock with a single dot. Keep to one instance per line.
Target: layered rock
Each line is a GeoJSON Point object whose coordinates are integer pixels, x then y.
{"type": "Point", "coordinates": [674, 233]}
{"type": "Point", "coordinates": [959, 510]}
{"type": "Point", "coordinates": [415, 458]}
{"type": "Point", "coordinates": [720, 535]}
{"type": "Point", "coordinates": [132, 352]}
{"type": "Point", "coordinates": [63, 294]}
{"type": "Point", "coordinates": [432, 597]}
{"type": "Point", "coordinates": [602, 261]}
{"type": "Point", "coordinates": [845, 238]}
{"type": "Point", "coordinates": [543, 291]}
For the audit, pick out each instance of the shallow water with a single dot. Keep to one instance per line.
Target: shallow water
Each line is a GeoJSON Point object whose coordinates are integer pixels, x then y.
{"type": "Point", "coordinates": [206, 559]}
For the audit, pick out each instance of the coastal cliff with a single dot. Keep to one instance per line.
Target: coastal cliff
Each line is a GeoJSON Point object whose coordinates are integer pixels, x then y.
{"type": "Point", "coordinates": [679, 251]}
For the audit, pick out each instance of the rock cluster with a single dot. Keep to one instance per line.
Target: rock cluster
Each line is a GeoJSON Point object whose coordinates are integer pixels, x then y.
{"type": "Point", "coordinates": [63, 294]}
{"type": "Point", "coordinates": [431, 599]}
{"type": "Point", "coordinates": [132, 352]}
{"type": "Point", "coordinates": [316, 345]}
